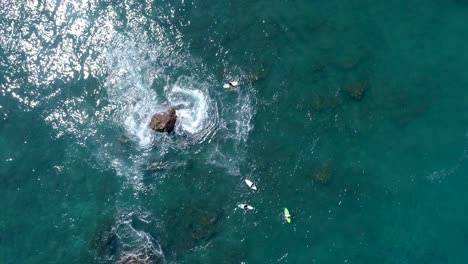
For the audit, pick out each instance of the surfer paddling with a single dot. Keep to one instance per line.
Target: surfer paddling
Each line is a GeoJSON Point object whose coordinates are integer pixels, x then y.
{"type": "Point", "coordinates": [230, 84]}
{"type": "Point", "coordinates": [246, 207]}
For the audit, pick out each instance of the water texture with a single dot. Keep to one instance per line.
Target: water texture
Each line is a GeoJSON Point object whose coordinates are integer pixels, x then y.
{"type": "Point", "coordinates": [352, 114]}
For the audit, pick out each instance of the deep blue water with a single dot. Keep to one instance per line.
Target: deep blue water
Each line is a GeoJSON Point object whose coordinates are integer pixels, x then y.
{"type": "Point", "coordinates": [352, 114]}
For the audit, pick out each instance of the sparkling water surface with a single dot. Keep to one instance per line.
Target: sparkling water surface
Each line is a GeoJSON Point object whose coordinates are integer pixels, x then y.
{"type": "Point", "coordinates": [352, 114]}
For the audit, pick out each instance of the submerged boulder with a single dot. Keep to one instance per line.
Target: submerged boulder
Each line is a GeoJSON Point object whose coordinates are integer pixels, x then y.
{"type": "Point", "coordinates": [164, 121]}
{"type": "Point", "coordinates": [190, 226]}
{"type": "Point", "coordinates": [321, 103]}
{"type": "Point", "coordinates": [357, 90]}
{"type": "Point", "coordinates": [321, 173]}
{"type": "Point", "coordinates": [324, 173]}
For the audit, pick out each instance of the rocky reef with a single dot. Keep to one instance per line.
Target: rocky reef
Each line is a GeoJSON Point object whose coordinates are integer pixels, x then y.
{"type": "Point", "coordinates": [133, 260]}
{"type": "Point", "coordinates": [321, 173]}
{"type": "Point", "coordinates": [190, 226]}
{"type": "Point", "coordinates": [357, 90]}
{"type": "Point", "coordinates": [164, 121]}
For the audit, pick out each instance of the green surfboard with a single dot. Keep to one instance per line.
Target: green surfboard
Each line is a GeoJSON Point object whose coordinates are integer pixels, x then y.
{"type": "Point", "coordinates": [287, 216]}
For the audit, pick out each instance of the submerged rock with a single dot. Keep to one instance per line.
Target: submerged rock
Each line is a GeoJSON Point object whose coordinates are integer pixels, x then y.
{"type": "Point", "coordinates": [127, 240]}
{"type": "Point", "coordinates": [190, 226]}
{"type": "Point", "coordinates": [156, 166]}
{"type": "Point", "coordinates": [320, 103]}
{"type": "Point", "coordinates": [259, 73]}
{"type": "Point", "coordinates": [164, 121]}
{"type": "Point", "coordinates": [323, 173]}
{"type": "Point", "coordinates": [357, 90]}
{"type": "Point", "coordinates": [205, 220]}
{"type": "Point", "coordinates": [106, 242]}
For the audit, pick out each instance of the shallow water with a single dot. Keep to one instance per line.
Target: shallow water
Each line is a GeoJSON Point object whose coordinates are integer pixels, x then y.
{"type": "Point", "coordinates": [352, 115]}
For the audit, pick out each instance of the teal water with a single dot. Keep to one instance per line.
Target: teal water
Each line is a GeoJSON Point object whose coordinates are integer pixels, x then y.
{"type": "Point", "coordinates": [352, 114]}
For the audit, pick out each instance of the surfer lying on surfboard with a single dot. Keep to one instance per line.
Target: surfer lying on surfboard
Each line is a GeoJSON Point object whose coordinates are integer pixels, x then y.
{"type": "Point", "coordinates": [230, 84]}
{"type": "Point", "coordinates": [246, 207]}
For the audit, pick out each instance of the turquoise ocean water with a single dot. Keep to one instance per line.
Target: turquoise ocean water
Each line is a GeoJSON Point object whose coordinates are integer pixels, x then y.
{"type": "Point", "coordinates": [352, 114]}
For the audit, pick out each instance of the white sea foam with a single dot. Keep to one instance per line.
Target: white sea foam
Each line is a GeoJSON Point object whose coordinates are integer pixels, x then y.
{"type": "Point", "coordinates": [194, 111]}
{"type": "Point", "coordinates": [197, 113]}
{"type": "Point", "coordinates": [141, 81]}
{"type": "Point", "coordinates": [127, 86]}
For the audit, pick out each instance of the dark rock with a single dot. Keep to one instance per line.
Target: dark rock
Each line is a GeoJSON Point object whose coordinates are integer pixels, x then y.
{"type": "Point", "coordinates": [164, 121]}
{"type": "Point", "coordinates": [357, 90]}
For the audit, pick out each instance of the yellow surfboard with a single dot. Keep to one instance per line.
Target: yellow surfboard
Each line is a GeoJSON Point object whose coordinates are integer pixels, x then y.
{"type": "Point", "coordinates": [287, 216]}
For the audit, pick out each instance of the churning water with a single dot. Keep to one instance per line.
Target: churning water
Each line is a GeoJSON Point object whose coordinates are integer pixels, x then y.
{"type": "Point", "coordinates": [352, 114]}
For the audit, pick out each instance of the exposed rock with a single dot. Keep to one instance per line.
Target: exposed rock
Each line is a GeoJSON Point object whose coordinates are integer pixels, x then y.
{"type": "Point", "coordinates": [164, 121]}
{"type": "Point", "coordinates": [357, 90]}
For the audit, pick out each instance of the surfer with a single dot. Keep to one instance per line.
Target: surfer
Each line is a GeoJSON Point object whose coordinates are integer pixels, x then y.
{"type": "Point", "coordinates": [231, 84]}
{"type": "Point", "coordinates": [246, 207]}
{"type": "Point", "coordinates": [287, 216]}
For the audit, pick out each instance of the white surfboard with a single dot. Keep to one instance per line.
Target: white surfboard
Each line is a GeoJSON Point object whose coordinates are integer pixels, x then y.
{"type": "Point", "coordinates": [250, 184]}
{"type": "Point", "coordinates": [246, 207]}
